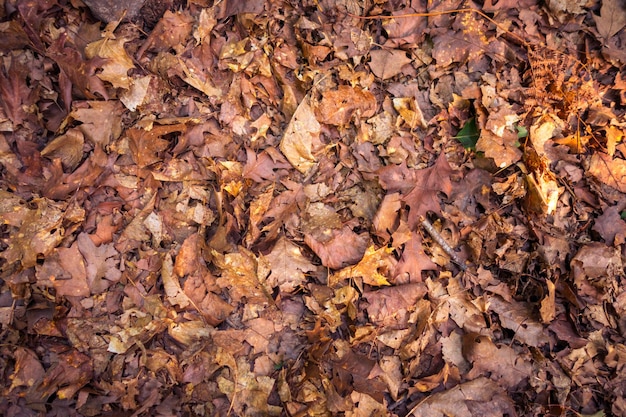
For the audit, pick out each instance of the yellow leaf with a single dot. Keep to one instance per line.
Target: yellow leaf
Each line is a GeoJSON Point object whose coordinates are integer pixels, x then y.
{"type": "Point", "coordinates": [372, 268]}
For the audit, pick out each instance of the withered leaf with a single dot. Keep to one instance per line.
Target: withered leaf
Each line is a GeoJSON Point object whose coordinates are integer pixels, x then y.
{"type": "Point", "coordinates": [337, 107]}
{"type": "Point", "coordinates": [610, 171]}
{"type": "Point", "coordinates": [386, 64]}
{"type": "Point", "coordinates": [339, 248]}
{"type": "Point", "coordinates": [374, 268]}
{"type": "Point", "coordinates": [301, 137]}
{"type": "Point", "coordinates": [480, 396]}
{"type": "Point", "coordinates": [419, 188]}
{"type": "Point", "coordinates": [288, 266]}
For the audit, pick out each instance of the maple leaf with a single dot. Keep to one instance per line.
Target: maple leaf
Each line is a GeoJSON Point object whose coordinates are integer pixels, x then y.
{"type": "Point", "coordinates": [610, 171]}
{"type": "Point", "coordinates": [502, 363]}
{"type": "Point", "coordinates": [386, 64]}
{"type": "Point", "coordinates": [374, 268]}
{"type": "Point", "coordinates": [102, 264]}
{"type": "Point", "coordinates": [288, 266]}
{"type": "Point", "coordinates": [79, 72]}
{"type": "Point", "coordinates": [36, 231]}
{"type": "Point", "coordinates": [101, 121]}
{"type": "Point", "coordinates": [419, 188]}
{"type": "Point", "coordinates": [117, 62]}
{"type": "Point", "coordinates": [412, 261]}
{"type": "Point", "coordinates": [264, 166]}
{"type": "Point", "coordinates": [612, 18]}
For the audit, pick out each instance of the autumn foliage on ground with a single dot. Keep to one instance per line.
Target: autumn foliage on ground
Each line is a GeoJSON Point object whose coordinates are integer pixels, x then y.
{"type": "Point", "coordinates": [255, 208]}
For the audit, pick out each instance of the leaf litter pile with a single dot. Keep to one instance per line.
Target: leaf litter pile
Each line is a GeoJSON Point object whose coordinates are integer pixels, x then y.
{"type": "Point", "coordinates": [285, 208]}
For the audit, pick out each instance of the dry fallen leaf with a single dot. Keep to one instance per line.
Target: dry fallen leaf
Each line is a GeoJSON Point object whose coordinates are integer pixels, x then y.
{"type": "Point", "coordinates": [374, 268]}
{"type": "Point", "coordinates": [301, 137]}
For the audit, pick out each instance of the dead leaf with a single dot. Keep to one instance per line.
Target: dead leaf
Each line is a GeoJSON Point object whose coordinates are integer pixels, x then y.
{"type": "Point", "coordinates": [101, 121]}
{"type": "Point", "coordinates": [68, 148]}
{"type": "Point", "coordinates": [288, 265]}
{"type": "Point", "coordinates": [419, 188]}
{"type": "Point", "coordinates": [612, 18]}
{"type": "Point", "coordinates": [374, 268]}
{"type": "Point", "coordinates": [338, 247]}
{"type": "Point", "coordinates": [548, 310]}
{"type": "Point", "coordinates": [117, 62]}
{"type": "Point", "coordinates": [505, 366]}
{"type": "Point", "coordinates": [338, 107]}
{"type": "Point", "coordinates": [480, 396]}
{"type": "Point", "coordinates": [516, 316]}
{"type": "Point", "coordinates": [301, 137]}
{"type": "Point", "coordinates": [609, 171]}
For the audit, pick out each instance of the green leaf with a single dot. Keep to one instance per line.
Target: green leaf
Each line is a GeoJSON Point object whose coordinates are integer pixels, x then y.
{"type": "Point", "coordinates": [522, 132]}
{"type": "Point", "coordinates": [468, 136]}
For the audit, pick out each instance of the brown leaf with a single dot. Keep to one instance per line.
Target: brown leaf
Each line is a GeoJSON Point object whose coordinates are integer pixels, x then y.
{"type": "Point", "coordinates": [517, 316]}
{"type": "Point", "coordinates": [72, 371]}
{"type": "Point", "coordinates": [548, 309]}
{"type": "Point", "coordinates": [288, 266]}
{"type": "Point", "coordinates": [172, 31]}
{"type": "Point", "coordinates": [117, 62]}
{"type": "Point", "coordinates": [101, 121]}
{"type": "Point", "coordinates": [502, 149]}
{"type": "Point", "coordinates": [103, 264]}
{"type": "Point", "coordinates": [506, 366]}
{"type": "Point", "coordinates": [72, 262]}
{"type": "Point", "coordinates": [340, 247]}
{"type": "Point", "coordinates": [39, 231]}
{"type": "Point", "coordinates": [610, 171]}
{"type": "Point", "coordinates": [14, 91]}
{"type": "Point", "coordinates": [27, 370]}
{"type": "Point", "coordinates": [612, 18]}
{"type": "Point", "coordinates": [243, 276]}
{"type": "Point", "coordinates": [266, 166]}
{"type": "Point", "coordinates": [68, 148]}
{"type": "Point", "coordinates": [301, 137]}
{"type": "Point", "coordinates": [413, 261]}
{"type": "Point", "coordinates": [419, 188]}
{"type": "Point", "coordinates": [390, 308]}
{"type": "Point", "coordinates": [147, 145]}
{"type": "Point", "coordinates": [81, 73]}
{"type": "Point", "coordinates": [610, 225]}
{"type": "Point", "coordinates": [339, 106]}
{"type": "Point", "coordinates": [480, 397]}
{"type": "Point", "coordinates": [374, 268]}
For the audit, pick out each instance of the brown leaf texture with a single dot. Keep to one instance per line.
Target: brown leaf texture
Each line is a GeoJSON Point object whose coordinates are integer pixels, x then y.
{"type": "Point", "coordinates": [250, 208]}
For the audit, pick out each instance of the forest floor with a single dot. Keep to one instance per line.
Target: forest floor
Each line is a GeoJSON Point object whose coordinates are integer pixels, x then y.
{"type": "Point", "coordinates": [256, 208]}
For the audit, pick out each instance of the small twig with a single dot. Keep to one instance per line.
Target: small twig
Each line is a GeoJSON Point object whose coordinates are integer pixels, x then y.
{"type": "Point", "coordinates": [442, 242]}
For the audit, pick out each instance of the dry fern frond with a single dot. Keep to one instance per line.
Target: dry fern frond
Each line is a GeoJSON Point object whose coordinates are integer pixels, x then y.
{"type": "Point", "coordinates": [560, 83]}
